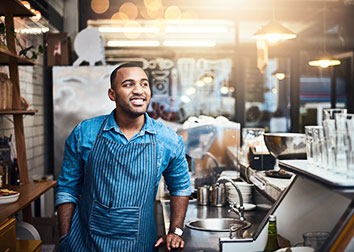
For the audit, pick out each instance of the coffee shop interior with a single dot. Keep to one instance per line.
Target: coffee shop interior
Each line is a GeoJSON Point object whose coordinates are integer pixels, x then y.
{"type": "Point", "coordinates": [262, 92]}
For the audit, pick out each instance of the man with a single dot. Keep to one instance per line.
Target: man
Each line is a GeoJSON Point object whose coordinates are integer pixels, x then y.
{"type": "Point", "coordinates": [111, 169]}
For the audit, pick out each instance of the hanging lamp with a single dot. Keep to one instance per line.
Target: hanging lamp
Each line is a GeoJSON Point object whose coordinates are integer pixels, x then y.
{"type": "Point", "coordinates": [280, 75]}
{"type": "Point", "coordinates": [274, 31]}
{"type": "Point", "coordinates": [326, 60]}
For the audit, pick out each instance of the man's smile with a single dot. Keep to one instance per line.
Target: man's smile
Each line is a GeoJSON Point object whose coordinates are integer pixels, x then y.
{"type": "Point", "coordinates": [137, 100]}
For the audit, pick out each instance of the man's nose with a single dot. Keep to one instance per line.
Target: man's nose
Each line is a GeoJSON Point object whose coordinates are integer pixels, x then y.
{"type": "Point", "coordinates": [138, 89]}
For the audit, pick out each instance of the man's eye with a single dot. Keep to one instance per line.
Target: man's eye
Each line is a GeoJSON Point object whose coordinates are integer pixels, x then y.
{"type": "Point", "coordinates": [145, 84]}
{"type": "Point", "coordinates": [128, 85]}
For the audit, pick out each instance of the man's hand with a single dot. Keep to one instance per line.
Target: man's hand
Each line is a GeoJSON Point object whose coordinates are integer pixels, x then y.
{"type": "Point", "coordinates": [172, 241]}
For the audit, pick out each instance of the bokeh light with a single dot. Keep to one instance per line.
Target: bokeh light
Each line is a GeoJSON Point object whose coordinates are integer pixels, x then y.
{"type": "Point", "coordinates": [224, 90]}
{"type": "Point", "coordinates": [26, 4]}
{"type": "Point", "coordinates": [153, 5]}
{"type": "Point", "coordinates": [155, 14]}
{"type": "Point", "coordinates": [190, 91]}
{"type": "Point", "coordinates": [129, 9]}
{"type": "Point", "coordinates": [120, 16]}
{"type": "Point", "coordinates": [99, 6]}
{"type": "Point", "coordinates": [173, 13]}
{"type": "Point", "coordinates": [37, 14]}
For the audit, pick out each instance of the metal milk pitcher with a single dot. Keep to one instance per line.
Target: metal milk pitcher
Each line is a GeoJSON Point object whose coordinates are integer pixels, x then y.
{"type": "Point", "coordinates": [203, 195]}
{"type": "Point", "coordinates": [218, 195]}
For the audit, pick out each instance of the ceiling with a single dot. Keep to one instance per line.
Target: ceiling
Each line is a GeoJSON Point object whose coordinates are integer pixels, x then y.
{"type": "Point", "coordinates": [304, 17]}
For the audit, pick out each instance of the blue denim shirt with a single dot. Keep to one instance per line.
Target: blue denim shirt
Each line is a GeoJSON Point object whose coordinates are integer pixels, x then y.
{"type": "Point", "coordinates": [171, 161]}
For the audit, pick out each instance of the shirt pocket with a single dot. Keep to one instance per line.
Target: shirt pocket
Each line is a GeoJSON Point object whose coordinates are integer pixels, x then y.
{"type": "Point", "coordinates": [117, 223]}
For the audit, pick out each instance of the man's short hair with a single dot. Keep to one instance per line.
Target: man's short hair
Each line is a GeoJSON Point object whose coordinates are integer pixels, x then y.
{"type": "Point", "coordinates": [123, 65]}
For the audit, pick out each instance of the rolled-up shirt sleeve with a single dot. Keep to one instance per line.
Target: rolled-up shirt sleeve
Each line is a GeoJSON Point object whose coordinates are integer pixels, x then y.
{"type": "Point", "coordinates": [176, 174]}
{"type": "Point", "coordinates": [71, 174]}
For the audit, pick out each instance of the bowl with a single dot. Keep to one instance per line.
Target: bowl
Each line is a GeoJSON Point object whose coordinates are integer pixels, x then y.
{"type": "Point", "coordinates": [286, 145]}
{"type": "Point", "coordinates": [9, 199]}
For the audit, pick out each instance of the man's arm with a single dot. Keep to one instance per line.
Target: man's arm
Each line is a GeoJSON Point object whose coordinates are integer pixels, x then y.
{"type": "Point", "coordinates": [70, 179]}
{"type": "Point", "coordinates": [179, 206]}
{"type": "Point", "coordinates": [65, 215]}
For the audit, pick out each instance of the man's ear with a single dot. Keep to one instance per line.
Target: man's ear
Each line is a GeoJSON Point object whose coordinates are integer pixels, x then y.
{"type": "Point", "coordinates": [112, 94]}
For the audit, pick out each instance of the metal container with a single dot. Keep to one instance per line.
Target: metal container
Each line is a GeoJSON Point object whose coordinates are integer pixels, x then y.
{"type": "Point", "coordinates": [286, 145]}
{"type": "Point", "coordinates": [203, 195]}
{"type": "Point", "coordinates": [218, 195]}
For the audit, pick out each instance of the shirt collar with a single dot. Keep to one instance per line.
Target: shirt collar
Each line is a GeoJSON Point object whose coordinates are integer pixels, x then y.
{"type": "Point", "coordinates": [148, 125]}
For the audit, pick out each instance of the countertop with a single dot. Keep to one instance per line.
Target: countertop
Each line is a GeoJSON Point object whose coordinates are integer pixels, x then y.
{"type": "Point", "coordinates": [196, 240]}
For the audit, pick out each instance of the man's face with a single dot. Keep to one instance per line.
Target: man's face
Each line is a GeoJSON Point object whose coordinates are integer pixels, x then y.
{"type": "Point", "coordinates": [131, 91]}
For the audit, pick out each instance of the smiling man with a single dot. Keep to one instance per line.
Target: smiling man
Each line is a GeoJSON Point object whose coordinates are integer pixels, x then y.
{"type": "Point", "coordinates": [111, 169]}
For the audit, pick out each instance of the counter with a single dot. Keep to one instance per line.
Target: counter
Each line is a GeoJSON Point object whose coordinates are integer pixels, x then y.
{"type": "Point", "coordinates": [196, 240]}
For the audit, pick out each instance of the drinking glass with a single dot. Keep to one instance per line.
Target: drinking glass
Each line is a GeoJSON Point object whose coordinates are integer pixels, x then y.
{"type": "Point", "coordinates": [350, 134]}
{"type": "Point", "coordinates": [315, 239]}
{"type": "Point", "coordinates": [309, 146]}
{"type": "Point", "coordinates": [330, 113]}
{"type": "Point", "coordinates": [314, 152]}
{"type": "Point", "coordinates": [329, 127]}
{"type": "Point", "coordinates": [251, 137]}
{"type": "Point", "coordinates": [341, 143]}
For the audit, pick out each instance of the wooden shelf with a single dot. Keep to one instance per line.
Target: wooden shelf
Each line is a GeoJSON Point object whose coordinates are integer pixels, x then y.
{"type": "Point", "coordinates": [6, 57]}
{"type": "Point", "coordinates": [18, 112]}
{"type": "Point", "coordinates": [15, 7]}
{"type": "Point", "coordinates": [28, 193]}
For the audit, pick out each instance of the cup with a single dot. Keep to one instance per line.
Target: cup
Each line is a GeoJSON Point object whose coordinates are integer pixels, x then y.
{"type": "Point", "coordinates": [218, 195]}
{"type": "Point", "coordinates": [315, 239]}
{"type": "Point", "coordinates": [330, 113]}
{"type": "Point", "coordinates": [203, 195]}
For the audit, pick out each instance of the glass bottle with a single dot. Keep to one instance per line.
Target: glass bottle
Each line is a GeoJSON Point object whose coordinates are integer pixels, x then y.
{"type": "Point", "coordinates": [15, 178]}
{"type": "Point", "coordinates": [272, 241]}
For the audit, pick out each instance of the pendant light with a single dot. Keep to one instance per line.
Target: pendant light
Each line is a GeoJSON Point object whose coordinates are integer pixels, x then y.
{"type": "Point", "coordinates": [280, 75]}
{"type": "Point", "coordinates": [274, 31]}
{"type": "Point", "coordinates": [325, 60]}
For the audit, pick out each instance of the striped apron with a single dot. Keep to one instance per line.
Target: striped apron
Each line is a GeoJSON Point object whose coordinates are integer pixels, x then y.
{"type": "Point", "coordinates": [115, 211]}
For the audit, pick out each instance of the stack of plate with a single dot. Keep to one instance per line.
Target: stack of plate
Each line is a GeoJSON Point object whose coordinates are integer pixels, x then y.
{"type": "Point", "coordinates": [246, 191]}
{"type": "Point", "coordinates": [230, 174]}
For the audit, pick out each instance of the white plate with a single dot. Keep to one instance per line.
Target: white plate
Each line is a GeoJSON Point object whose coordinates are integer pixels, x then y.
{"type": "Point", "coordinates": [297, 249]}
{"type": "Point", "coordinates": [9, 199]}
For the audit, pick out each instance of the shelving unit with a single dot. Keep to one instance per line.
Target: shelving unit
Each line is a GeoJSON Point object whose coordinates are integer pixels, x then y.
{"type": "Point", "coordinates": [29, 190]}
{"type": "Point", "coordinates": [18, 112]}
{"type": "Point", "coordinates": [7, 56]}
{"type": "Point", "coordinates": [10, 9]}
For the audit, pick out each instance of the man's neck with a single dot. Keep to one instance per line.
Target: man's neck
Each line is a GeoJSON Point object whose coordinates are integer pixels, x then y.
{"type": "Point", "coordinates": [129, 125]}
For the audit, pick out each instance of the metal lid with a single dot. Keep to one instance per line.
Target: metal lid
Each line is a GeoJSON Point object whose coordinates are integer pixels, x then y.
{"type": "Point", "coordinates": [272, 218]}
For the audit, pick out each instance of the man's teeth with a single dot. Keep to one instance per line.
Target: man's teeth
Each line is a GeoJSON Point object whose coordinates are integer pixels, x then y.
{"type": "Point", "coordinates": [137, 101]}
